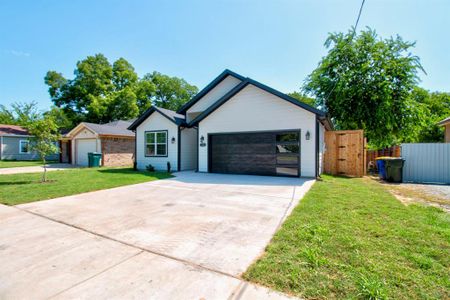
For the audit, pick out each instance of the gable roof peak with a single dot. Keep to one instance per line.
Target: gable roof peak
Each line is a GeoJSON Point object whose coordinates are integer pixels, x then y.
{"type": "Point", "coordinates": [209, 87]}
{"type": "Point", "coordinates": [173, 116]}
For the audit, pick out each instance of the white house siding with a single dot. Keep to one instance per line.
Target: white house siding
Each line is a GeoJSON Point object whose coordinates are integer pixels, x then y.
{"type": "Point", "coordinates": [188, 149]}
{"type": "Point", "coordinates": [254, 109]}
{"type": "Point", "coordinates": [156, 121]}
{"type": "Point", "coordinates": [215, 94]}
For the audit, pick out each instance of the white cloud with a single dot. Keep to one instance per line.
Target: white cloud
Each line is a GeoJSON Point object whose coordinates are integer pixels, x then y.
{"type": "Point", "coordinates": [19, 53]}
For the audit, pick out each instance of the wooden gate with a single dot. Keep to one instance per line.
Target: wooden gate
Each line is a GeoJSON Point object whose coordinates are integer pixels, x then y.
{"type": "Point", "coordinates": [345, 153]}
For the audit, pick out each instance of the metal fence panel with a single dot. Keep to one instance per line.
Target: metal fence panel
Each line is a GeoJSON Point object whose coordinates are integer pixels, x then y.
{"type": "Point", "coordinates": [426, 163]}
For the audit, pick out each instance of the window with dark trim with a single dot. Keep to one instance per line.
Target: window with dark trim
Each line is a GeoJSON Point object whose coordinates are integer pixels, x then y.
{"type": "Point", "coordinates": [156, 143]}
{"type": "Point", "coordinates": [24, 146]}
{"type": "Point", "coordinates": [288, 153]}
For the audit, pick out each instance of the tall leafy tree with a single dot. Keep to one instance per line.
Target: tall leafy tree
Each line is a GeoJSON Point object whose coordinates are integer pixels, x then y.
{"type": "Point", "coordinates": [170, 92]}
{"type": "Point", "coordinates": [20, 113]}
{"type": "Point", "coordinates": [6, 116]}
{"type": "Point", "coordinates": [101, 92]}
{"type": "Point", "coordinates": [364, 82]}
{"type": "Point", "coordinates": [123, 74]}
{"type": "Point", "coordinates": [303, 98]}
{"type": "Point", "coordinates": [436, 107]}
{"type": "Point", "coordinates": [59, 117]}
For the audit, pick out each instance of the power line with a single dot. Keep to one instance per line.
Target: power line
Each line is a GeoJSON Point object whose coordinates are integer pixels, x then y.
{"type": "Point", "coordinates": [354, 33]}
{"type": "Point", "coordinates": [359, 15]}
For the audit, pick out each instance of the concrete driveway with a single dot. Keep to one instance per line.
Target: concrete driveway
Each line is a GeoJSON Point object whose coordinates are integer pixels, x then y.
{"type": "Point", "coordinates": [189, 237]}
{"type": "Point", "coordinates": [35, 169]}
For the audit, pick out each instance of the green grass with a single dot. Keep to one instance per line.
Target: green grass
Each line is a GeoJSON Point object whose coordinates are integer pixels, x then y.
{"type": "Point", "coordinates": [21, 163]}
{"type": "Point", "coordinates": [24, 188]}
{"type": "Point", "coordinates": [350, 238]}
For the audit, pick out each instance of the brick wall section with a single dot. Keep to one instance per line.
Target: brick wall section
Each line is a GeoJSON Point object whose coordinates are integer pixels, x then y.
{"type": "Point", "coordinates": [117, 151]}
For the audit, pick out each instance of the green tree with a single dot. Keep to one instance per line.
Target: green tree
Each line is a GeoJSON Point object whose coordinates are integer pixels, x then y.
{"type": "Point", "coordinates": [123, 105]}
{"type": "Point", "coordinates": [123, 74]}
{"type": "Point", "coordinates": [60, 117]}
{"type": "Point", "coordinates": [364, 82]}
{"type": "Point", "coordinates": [101, 92]}
{"type": "Point", "coordinates": [6, 116]}
{"type": "Point", "coordinates": [45, 136]}
{"type": "Point", "coordinates": [20, 113]}
{"type": "Point", "coordinates": [170, 92]}
{"type": "Point", "coordinates": [303, 98]}
{"type": "Point", "coordinates": [436, 107]}
{"type": "Point", "coordinates": [145, 90]}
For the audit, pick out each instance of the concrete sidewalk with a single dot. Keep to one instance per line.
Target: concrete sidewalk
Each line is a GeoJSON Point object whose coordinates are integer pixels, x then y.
{"type": "Point", "coordinates": [35, 169]}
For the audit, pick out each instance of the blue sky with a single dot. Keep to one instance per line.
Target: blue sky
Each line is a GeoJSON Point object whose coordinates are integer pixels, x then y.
{"type": "Point", "coordinates": [276, 42]}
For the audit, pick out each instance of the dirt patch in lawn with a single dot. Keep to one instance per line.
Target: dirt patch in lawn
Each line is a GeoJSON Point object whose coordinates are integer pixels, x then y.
{"type": "Point", "coordinates": [427, 194]}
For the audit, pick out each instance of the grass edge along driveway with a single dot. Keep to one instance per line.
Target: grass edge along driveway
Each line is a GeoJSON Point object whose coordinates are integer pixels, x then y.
{"type": "Point", "coordinates": [350, 238]}
{"type": "Point", "coordinates": [25, 188]}
{"type": "Point", "coordinates": [23, 163]}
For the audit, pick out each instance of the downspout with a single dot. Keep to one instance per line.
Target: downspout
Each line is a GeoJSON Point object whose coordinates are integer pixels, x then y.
{"type": "Point", "coordinates": [1, 147]}
{"type": "Point", "coordinates": [179, 149]}
{"type": "Point", "coordinates": [317, 148]}
{"type": "Point", "coordinates": [198, 148]}
{"type": "Point", "coordinates": [60, 151]}
{"type": "Point", "coordinates": [135, 151]}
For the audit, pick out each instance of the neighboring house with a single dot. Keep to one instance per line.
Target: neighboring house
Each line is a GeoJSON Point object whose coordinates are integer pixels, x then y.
{"type": "Point", "coordinates": [446, 124]}
{"type": "Point", "coordinates": [234, 125]}
{"type": "Point", "coordinates": [15, 144]}
{"type": "Point", "coordinates": [113, 140]}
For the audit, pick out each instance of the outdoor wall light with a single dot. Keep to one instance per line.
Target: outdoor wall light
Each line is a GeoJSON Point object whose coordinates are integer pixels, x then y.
{"type": "Point", "coordinates": [308, 135]}
{"type": "Point", "coordinates": [173, 140]}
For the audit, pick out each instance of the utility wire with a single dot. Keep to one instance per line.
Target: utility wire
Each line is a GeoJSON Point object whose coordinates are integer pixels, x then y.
{"type": "Point", "coordinates": [354, 33]}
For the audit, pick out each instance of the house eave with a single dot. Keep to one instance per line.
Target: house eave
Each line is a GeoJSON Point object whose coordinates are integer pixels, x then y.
{"type": "Point", "coordinates": [208, 88]}
{"type": "Point", "coordinates": [320, 114]}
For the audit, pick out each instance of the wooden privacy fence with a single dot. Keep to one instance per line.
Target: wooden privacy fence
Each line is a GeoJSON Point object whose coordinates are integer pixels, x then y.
{"type": "Point", "coordinates": [345, 153]}
{"type": "Point", "coordinates": [426, 163]}
{"type": "Point", "coordinates": [394, 151]}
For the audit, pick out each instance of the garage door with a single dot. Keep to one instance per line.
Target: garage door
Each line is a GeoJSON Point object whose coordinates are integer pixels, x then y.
{"type": "Point", "coordinates": [260, 153]}
{"type": "Point", "coordinates": [83, 148]}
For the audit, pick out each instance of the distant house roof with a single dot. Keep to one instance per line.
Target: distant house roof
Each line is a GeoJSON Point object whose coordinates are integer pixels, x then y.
{"type": "Point", "coordinates": [444, 122]}
{"type": "Point", "coordinates": [12, 130]}
{"type": "Point", "coordinates": [115, 128]}
{"type": "Point", "coordinates": [169, 114]}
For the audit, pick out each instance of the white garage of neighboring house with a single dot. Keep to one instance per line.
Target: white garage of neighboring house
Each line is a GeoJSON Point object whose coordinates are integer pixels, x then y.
{"type": "Point", "coordinates": [113, 140]}
{"type": "Point", "coordinates": [235, 125]}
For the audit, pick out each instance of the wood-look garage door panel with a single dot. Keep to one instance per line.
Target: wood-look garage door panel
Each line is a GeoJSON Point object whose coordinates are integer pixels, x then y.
{"type": "Point", "coordinates": [244, 153]}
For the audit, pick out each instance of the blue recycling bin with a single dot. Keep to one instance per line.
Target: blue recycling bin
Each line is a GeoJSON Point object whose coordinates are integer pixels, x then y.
{"type": "Point", "coordinates": [381, 166]}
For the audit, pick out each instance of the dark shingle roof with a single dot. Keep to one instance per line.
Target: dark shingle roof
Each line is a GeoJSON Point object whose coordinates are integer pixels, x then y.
{"type": "Point", "coordinates": [6, 129]}
{"type": "Point", "coordinates": [113, 128]}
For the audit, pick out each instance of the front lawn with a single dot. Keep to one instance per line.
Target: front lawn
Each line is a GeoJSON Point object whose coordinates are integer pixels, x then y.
{"type": "Point", "coordinates": [24, 188]}
{"type": "Point", "coordinates": [350, 238]}
{"type": "Point", "coordinates": [21, 163]}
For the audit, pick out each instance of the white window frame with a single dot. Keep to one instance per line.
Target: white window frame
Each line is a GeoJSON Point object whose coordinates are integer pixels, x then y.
{"type": "Point", "coordinates": [155, 143]}
{"type": "Point", "coordinates": [28, 146]}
